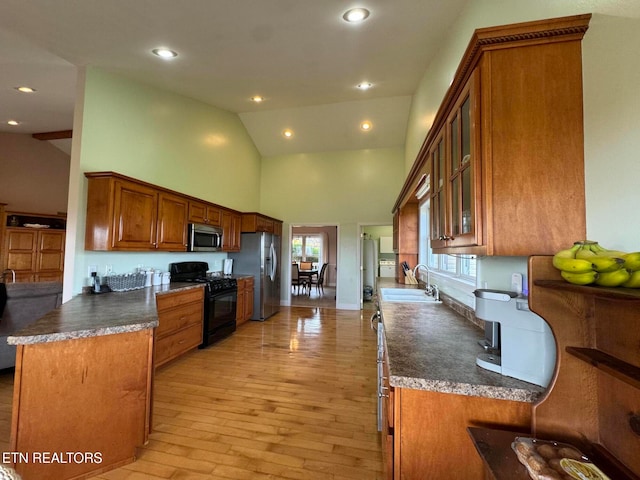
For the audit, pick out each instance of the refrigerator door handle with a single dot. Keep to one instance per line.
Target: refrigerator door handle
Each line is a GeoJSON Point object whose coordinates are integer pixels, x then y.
{"type": "Point", "coordinates": [274, 262]}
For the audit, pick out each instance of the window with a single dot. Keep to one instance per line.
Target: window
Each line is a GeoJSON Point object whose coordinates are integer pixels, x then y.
{"type": "Point", "coordinates": [459, 267]}
{"type": "Point", "coordinates": [307, 248]}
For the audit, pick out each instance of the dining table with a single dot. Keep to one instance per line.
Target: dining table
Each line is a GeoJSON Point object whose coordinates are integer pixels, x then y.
{"type": "Point", "coordinates": [308, 273]}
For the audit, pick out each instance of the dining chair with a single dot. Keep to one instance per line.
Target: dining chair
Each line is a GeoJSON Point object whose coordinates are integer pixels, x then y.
{"type": "Point", "coordinates": [319, 282]}
{"type": "Point", "coordinates": [296, 280]}
{"type": "Point", "coordinates": [306, 265]}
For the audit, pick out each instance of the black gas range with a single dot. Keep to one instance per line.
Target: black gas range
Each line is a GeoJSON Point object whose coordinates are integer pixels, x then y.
{"type": "Point", "coordinates": [220, 298]}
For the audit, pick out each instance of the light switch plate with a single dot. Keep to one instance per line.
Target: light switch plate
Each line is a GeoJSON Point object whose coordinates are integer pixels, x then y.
{"type": "Point", "coordinates": [93, 268]}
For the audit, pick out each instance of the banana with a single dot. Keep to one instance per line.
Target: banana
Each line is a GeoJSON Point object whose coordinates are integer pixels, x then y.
{"type": "Point", "coordinates": [632, 261]}
{"type": "Point", "coordinates": [573, 265]}
{"type": "Point", "coordinates": [569, 252]}
{"type": "Point", "coordinates": [607, 264]}
{"type": "Point", "coordinates": [601, 264]}
{"type": "Point", "coordinates": [565, 260]}
{"type": "Point", "coordinates": [634, 280]}
{"type": "Point", "coordinates": [613, 279]}
{"type": "Point", "coordinates": [584, 278]}
{"type": "Point", "coordinates": [603, 252]}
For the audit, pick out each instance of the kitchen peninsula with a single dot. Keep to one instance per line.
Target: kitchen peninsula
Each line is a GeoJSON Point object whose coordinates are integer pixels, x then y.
{"type": "Point", "coordinates": [82, 391]}
{"type": "Point", "coordinates": [433, 390]}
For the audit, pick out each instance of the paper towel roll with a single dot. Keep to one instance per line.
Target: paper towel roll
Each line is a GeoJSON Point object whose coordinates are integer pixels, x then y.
{"type": "Point", "coordinates": [228, 266]}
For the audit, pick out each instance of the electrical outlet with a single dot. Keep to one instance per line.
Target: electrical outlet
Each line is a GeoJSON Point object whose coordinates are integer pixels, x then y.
{"type": "Point", "coordinates": [93, 268]}
{"type": "Point", "coordinates": [108, 269]}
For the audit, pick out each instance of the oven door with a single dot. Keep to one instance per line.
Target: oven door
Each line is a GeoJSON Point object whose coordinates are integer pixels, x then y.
{"type": "Point", "coordinates": [223, 307]}
{"type": "Point", "coordinates": [220, 316]}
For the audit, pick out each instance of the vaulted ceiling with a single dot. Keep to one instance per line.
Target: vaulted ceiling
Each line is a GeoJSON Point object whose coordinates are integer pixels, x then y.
{"type": "Point", "coordinates": [300, 55]}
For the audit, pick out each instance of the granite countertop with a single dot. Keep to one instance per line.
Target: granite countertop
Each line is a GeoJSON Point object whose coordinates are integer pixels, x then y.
{"type": "Point", "coordinates": [431, 347]}
{"type": "Point", "coordinates": [95, 315]}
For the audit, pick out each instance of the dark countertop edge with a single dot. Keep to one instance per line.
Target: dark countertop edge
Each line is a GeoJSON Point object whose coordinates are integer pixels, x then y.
{"type": "Point", "coordinates": [147, 320]}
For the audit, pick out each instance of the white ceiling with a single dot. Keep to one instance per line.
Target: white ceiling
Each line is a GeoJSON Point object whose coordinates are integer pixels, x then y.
{"type": "Point", "coordinates": [299, 54]}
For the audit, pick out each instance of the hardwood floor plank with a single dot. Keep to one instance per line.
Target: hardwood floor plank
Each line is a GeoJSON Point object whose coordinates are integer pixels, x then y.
{"type": "Point", "coordinates": [291, 398]}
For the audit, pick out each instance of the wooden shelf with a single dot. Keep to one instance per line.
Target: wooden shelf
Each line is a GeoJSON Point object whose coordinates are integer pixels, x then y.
{"type": "Point", "coordinates": [624, 371]}
{"type": "Point", "coordinates": [494, 447]}
{"type": "Point", "coordinates": [617, 293]}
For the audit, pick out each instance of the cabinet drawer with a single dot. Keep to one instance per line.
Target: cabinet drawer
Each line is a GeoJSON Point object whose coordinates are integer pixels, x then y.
{"type": "Point", "coordinates": [179, 318]}
{"type": "Point", "coordinates": [170, 347]}
{"type": "Point", "coordinates": [170, 300]}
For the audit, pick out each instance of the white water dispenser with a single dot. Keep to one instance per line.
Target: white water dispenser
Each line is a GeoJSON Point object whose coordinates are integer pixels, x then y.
{"type": "Point", "coordinates": [527, 348]}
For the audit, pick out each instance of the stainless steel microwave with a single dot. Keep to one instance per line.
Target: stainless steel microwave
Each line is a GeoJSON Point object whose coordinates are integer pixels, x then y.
{"type": "Point", "coordinates": [204, 238]}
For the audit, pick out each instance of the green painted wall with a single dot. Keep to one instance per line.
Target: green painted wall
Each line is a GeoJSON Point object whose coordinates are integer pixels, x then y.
{"type": "Point", "coordinates": [346, 189]}
{"type": "Point", "coordinates": [164, 139]}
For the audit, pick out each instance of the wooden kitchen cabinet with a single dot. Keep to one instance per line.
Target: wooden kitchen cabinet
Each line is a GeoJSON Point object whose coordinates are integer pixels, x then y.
{"type": "Point", "coordinates": [244, 309]}
{"type": "Point", "coordinates": [34, 254]}
{"type": "Point", "coordinates": [180, 324]}
{"type": "Point", "coordinates": [124, 214]}
{"type": "Point", "coordinates": [231, 230]}
{"type": "Point", "coordinates": [456, 178]}
{"type": "Point", "coordinates": [204, 213]}
{"type": "Point", "coordinates": [172, 222]}
{"type": "Point", "coordinates": [88, 394]}
{"type": "Point", "coordinates": [255, 222]}
{"type": "Point", "coordinates": [512, 127]}
{"type": "Point", "coordinates": [406, 237]}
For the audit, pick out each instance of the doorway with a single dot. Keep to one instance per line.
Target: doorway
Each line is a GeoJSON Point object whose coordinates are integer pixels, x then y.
{"type": "Point", "coordinates": [316, 245]}
{"type": "Point", "coordinates": [377, 260]}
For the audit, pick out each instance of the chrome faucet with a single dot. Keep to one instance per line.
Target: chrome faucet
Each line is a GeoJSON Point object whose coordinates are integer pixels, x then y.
{"type": "Point", "coordinates": [432, 290]}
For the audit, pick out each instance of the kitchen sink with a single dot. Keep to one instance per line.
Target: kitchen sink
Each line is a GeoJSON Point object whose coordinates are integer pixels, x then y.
{"type": "Point", "coordinates": [406, 295]}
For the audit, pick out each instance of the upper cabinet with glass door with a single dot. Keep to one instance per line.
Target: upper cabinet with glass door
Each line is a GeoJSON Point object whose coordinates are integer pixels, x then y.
{"type": "Point", "coordinates": [507, 144]}
{"type": "Point", "coordinates": [460, 175]}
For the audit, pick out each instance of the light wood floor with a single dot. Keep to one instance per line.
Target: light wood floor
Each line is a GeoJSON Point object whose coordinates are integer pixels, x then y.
{"type": "Point", "coordinates": [289, 398]}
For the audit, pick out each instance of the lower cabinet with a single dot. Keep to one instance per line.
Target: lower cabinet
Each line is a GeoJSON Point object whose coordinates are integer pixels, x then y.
{"type": "Point", "coordinates": [180, 317]}
{"type": "Point", "coordinates": [424, 433]}
{"type": "Point", "coordinates": [428, 434]}
{"type": "Point", "coordinates": [245, 300]}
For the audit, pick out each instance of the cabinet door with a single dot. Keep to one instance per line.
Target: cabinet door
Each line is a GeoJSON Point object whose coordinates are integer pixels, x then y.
{"type": "Point", "coordinates": [248, 299]}
{"type": "Point", "coordinates": [203, 213]}
{"type": "Point", "coordinates": [438, 197]}
{"type": "Point", "coordinates": [135, 215]}
{"type": "Point", "coordinates": [172, 222]}
{"type": "Point", "coordinates": [50, 254]}
{"type": "Point", "coordinates": [231, 225]}
{"type": "Point", "coordinates": [240, 318]}
{"type": "Point", "coordinates": [462, 158]}
{"type": "Point", "coordinates": [21, 245]}
{"type": "Point", "coordinates": [197, 212]}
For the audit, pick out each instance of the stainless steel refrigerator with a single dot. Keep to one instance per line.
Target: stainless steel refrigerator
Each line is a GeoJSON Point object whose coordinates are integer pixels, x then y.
{"type": "Point", "coordinates": [259, 256]}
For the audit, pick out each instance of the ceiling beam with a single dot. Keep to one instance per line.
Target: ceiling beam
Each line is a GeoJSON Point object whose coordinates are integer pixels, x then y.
{"type": "Point", "coordinates": [53, 135]}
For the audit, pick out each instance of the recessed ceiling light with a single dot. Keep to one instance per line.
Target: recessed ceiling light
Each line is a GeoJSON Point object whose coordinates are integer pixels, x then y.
{"type": "Point", "coordinates": [364, 85]}
{"type": "Point", "coordinates": [257, 98]}
{"type": "Point", "coordinates": [25, 89]}
{"type": "Point", "coordinates": [366, 126]}
{"type": "Point", "coordinates": [355, 15]}
{"type": "Point", "coordinates": [287, 133]}
{"type": "Point", "coordinates": [164, 53]}
{"type": "Point", "coordinates": [13, 122]}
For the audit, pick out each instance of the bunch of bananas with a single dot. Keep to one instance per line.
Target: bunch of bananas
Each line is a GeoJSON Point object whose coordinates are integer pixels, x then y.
{"type": "Point", "coordinates": [588, 263]}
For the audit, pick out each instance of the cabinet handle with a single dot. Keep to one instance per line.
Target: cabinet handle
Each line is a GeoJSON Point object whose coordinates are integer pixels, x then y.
{"type": "Point", "coordinates": [634, 423]}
